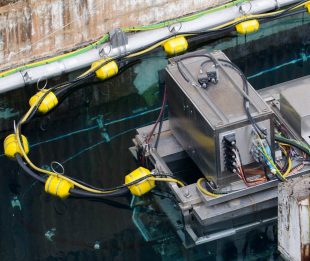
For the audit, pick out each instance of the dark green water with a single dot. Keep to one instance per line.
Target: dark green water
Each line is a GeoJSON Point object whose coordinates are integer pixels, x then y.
{"type": "Point", "coordinates": [90, 134]}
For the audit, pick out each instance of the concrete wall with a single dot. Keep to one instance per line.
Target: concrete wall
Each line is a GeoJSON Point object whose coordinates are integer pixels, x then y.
{"type": "Point", "coordinates": [30, 29]}
{"type": "Point", "coordinates": [294, 219]}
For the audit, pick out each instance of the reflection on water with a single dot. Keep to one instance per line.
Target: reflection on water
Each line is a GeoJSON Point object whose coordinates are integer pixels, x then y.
{"type": "Point", "coordinates": [90, 134]}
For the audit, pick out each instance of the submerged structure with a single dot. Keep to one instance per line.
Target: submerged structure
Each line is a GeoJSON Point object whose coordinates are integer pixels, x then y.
{"type": "Point", "coordinates": [220, 154]}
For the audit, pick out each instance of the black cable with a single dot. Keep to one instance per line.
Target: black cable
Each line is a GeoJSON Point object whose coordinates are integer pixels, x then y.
{"type": "Point", "coordinates": [246, 102]}
{"type": "Point", "coordinates": [61, 88]}
{"type": "Point", "coordinates": [209, 187]}
{"type": "Point", "coordinates": [61, 91]}
{"type": "Point", "coordinates": [65, 86]}
{"type": "Point", "coordinates": [188, 56]}
{"type": "Point", "coordinates": [80, 193]}
{"type": "Point", "coordinates": [293, 6]}
{"type": "Point", "coordinates": [32, 114]}
{"type": "Point", "coordinates": [236, 68]}
{"type": "Point", "coordinates": [159, 130]}
{"type": "Point", "coordinates": [282, 15]}
{"type": "Point", "coordinates": [120, 190]}
{"type": "Point", "coordinates": [23, 165]}
{"type": "Point", "coordinates": [123, 185]}
{"type": "Point", "coordinates": [161, 115]}
{"type": "Point", "coordinates": [201, 35]}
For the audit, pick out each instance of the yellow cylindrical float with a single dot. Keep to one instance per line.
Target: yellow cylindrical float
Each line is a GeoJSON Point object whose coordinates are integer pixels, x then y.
{"type": "Point", "coordinates": [176, 45]}
{"type": "Point", "coordinates": [106, 71]}
{"type": "Point", "coordinates": [48, 102]}
{"type": "Point", "coordinates": [142, 187]}
{"type": "Point", "coordinates": [58, 186]}
{"type": "Point", "coordinates": [11, 145]}
{"type": "Point", "coordinates": [248, 27]}
{"type": "Point", "coordinates": [307, 6]}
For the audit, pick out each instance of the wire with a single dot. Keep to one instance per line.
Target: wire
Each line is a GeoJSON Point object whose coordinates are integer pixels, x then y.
{"type": "Point", "coordinates": [289, 162]}
{"type": "Point", "coordinates": [159, 131]}
{"type": "Point", "coordinates": [188, 56]}
{"type": "Point", "coordinates": [105, 37]}
{"type": "Point", "coordinates": [80, 193]}
{"type": "Point", "coordinates": [102, 40]}
{"type": "Point", "coordinates": [160, 116]}
{"type": "Point", "coordinates": [27, 170]}
{"type": "Point", "coordinates": [246, 105]}
{"type": "Point", "coordinates": [180, 183]}
{"type": "Point", "coordinates": [64, 87]}
{"type": "Point", "coordinates": [297, 144]}
{"type": "Point", "coordinates": [242, 174]}
{"type": "Point", "coordinates": [204, 190]}
{"type": "Point", "coordinates": [277, 172]}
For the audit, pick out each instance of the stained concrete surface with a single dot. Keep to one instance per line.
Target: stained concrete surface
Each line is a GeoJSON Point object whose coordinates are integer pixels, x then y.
{"type": "Point", "coordinates": [31, 29]}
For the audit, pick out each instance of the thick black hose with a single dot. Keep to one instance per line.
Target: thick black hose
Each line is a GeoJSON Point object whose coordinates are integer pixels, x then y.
{"type": "Point", "coordinates": [22, 164]}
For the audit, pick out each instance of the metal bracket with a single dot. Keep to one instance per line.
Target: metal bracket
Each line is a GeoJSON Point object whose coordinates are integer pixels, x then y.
{"type": "Point", "coordinates": [245, 8]}
{"type": "Point", "coordinates": [175, 28]}
{"type": "Point", "coordinates": [277, 4]}
{"type": "Point", "coordinates": [119, 40]}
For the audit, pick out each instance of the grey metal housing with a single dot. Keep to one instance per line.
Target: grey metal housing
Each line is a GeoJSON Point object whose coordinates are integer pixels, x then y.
{"type": "Point", "coordinates": [201, 118]}
{"type": "Point", "coordinates": [295, 109]}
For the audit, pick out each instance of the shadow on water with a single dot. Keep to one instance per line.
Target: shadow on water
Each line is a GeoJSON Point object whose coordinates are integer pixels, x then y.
{"type": "Point", "coordinates": [90, 134]}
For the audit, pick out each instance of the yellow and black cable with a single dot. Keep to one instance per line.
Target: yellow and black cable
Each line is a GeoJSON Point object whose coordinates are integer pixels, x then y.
{"type": "Point", "coordinates": [63, 88]}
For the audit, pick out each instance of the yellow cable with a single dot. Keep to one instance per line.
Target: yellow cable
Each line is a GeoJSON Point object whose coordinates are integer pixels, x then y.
{"type": "Point", "coordinates": [33, 166]}
{"type": "Point", "coordinates": [247, 17]}
{"type": "Point", "coordinates": [30, 163]}
{"type": "Point", "coordinates": [289, 161]}
{"type": "Point", "coordinates": [44, 170]}
{"type": "Point", "coordinates": [133, 55]}
{"type": "Point", "coordinates": [52, 59]}
{"type": "Point", "coordinates": [289, 167]}
{"type": "Point", "coordinates": [203, 190]}
{"type": "Point", "coordinates": [181, 184]}
{"type": "Point", "coordinates": [155, 46]}
{"type": "Point", "coordinates": [270, 160]}
{"type": "Point", "coordinates": [104, 61]}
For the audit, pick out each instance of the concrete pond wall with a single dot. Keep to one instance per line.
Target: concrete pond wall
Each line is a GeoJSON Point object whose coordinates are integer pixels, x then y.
{"type": "Point", "coordinates": [31, 29]}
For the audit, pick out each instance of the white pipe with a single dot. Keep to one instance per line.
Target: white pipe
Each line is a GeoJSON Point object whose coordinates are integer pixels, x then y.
{"type": "Point", "coordinates": [137, 41]}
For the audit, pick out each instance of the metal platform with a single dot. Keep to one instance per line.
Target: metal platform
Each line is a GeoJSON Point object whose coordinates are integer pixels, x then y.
{"type": "Point", "coordinates": [206, 218]}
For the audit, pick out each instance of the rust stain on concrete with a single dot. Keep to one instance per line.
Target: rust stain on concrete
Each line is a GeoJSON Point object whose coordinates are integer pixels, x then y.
{"type": "Point", "coordinates": [31, 29]}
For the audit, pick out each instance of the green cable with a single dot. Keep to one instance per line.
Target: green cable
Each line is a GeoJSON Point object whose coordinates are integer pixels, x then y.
{"type": "Point", "coordinates": [106, 37]}
{"type": "Point", "coordinates": [102, 40]}
{"type": "Point", "coordinates": [295, 143]}
{"type": "Point", "coordinates": [185, 18]}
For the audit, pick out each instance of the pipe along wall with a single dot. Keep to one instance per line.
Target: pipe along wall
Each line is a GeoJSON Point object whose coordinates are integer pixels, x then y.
{"type": "Point", "coordinates": [135, 42]}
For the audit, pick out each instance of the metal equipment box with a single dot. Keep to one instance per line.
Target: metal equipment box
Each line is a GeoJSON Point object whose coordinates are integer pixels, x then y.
{"type": "Point", "coordinates": [294, 106]}
{"type": "Point", "coordinates": [200, 118]}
